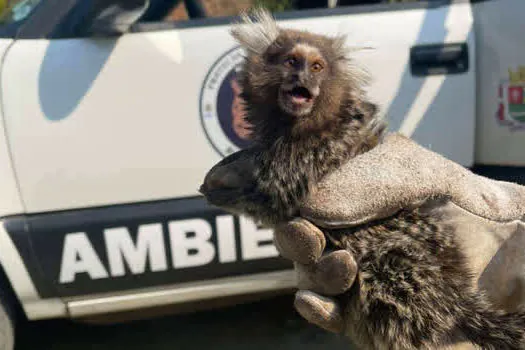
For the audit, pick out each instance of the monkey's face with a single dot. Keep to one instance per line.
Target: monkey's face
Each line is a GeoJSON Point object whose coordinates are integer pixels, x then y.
{"type": "Point", "coordinates": [302, 70]}
{"type": "Point", "coordinates": [292, 80]}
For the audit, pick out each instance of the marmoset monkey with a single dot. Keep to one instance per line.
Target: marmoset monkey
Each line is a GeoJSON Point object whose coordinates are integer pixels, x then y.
{"type": "Point", "coordinates": [309, 114]}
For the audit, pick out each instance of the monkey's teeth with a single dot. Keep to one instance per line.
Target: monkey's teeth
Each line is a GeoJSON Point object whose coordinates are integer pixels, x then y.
{"type": "Point", "coordinates": [300, 95]}
{"type": "Point", "coordinates": [299, 99]}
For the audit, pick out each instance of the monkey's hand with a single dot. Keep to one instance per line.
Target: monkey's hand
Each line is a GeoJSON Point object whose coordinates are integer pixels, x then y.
{"type": "Point", "coordinates": [231, 185]}
{"type": "Point", "coordinates": [229, 178]}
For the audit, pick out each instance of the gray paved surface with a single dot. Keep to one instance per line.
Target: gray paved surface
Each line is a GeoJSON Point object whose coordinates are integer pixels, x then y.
{"type": "Point", "coordinates": [270, 324]}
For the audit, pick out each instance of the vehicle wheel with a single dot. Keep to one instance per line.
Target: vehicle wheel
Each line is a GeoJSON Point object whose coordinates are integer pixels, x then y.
{"type": "Point", "coordinates": [7, 323]}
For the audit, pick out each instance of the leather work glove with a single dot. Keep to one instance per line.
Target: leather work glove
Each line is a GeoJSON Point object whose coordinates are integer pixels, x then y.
{"type": "Point", "coordinates": [397, 174]}
{"type": "Point", "coordinates": [487, 214]}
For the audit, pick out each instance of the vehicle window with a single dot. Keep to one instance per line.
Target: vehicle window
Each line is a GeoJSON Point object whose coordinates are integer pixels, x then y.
{"type": "Point", "coordinates": [219, 8]}
{"type": "Point", "coordinates": [12, 11]}
{"type": "Point", "coordinates": [213, 8]}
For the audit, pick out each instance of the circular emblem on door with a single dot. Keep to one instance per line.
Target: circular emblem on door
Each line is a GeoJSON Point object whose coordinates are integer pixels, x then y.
{"type": "Point", "coordinates": [221, 108]}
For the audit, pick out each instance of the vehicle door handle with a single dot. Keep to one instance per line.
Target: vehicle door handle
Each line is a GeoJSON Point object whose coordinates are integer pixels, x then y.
{"type": "Point", "coordinates": [439, 59]}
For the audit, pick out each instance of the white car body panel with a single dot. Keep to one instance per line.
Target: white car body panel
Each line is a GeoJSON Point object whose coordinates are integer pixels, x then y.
{"type": "Point", "coordinates": [107, 121]}
{"type": "Point", "coordinates": [10, 201]}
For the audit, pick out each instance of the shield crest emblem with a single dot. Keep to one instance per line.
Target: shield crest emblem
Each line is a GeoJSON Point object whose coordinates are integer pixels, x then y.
{"type": "Point", "coordinates": [511, 106]}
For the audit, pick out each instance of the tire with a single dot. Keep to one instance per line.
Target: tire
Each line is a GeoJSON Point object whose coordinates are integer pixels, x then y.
{"type": "Point", "coordinates": [7, 322]}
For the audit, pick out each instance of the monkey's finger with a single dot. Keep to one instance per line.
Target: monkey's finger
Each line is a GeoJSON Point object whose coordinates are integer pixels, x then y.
{"type": "Point", "coordinates": [334, 273]}
{"type": "Point", "coordinates": [221, 178]}
{"type": "Point", "coordinates": [232, 172]}
{"type": "Point", "coordinates": [300, 241]}
{"type": "Point", "coordinates": [321, 311]}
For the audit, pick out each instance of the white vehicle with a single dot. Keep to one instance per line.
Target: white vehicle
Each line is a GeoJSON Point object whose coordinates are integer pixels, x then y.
{"type": "Point", "coordinates": [111, 116]}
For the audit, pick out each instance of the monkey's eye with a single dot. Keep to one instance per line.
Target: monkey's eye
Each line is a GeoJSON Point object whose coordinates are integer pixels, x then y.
{"type": "Point", "coordinates": [290, 62]}
{"type": "Point", "coordinates": [316, 67]}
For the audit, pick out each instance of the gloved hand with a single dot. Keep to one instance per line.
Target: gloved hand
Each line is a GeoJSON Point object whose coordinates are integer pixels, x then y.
{"type": "Point", "coordinates": [401, 174]}
{"type": "Point", "coordinates": [396, 174]}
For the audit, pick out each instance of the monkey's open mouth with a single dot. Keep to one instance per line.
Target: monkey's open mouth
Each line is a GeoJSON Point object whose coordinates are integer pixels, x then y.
{"type": "Point", "coordinates": [300, 95]}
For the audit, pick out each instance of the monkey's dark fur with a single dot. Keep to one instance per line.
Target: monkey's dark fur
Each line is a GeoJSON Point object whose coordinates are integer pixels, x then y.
{"type": "Point", "coordinates": [414, 289]}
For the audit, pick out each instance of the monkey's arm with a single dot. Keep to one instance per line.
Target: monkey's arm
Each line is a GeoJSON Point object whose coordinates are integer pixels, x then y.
{"type": "Point", "coordinates": [244, 183]}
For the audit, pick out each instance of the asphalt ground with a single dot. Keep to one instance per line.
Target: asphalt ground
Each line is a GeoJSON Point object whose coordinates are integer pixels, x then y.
{"type": "Point", "coordinates": [265, 324]}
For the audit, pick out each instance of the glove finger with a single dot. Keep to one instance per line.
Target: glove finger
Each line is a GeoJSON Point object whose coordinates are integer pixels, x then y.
{"type": "Point", "coordinates": [299, 241]}
{"type": "Point", "coordinates": [332, 275]}
{"type": "Point", "coordinates": [321, 311]}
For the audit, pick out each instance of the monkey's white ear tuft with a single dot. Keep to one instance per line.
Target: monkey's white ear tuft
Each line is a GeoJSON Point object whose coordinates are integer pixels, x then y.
{"type": "Point", "coordinates": [256, 34]}
{"type": "Point", "coordinates": [339, 44]}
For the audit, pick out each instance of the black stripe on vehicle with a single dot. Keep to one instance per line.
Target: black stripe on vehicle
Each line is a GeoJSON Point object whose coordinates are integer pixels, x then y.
{"type": "Point", "coordinates": [42, 240]}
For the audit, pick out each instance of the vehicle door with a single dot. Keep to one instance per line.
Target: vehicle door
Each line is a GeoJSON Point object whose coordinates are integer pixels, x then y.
{"type": "Point", "coordinates": [112, 127]}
